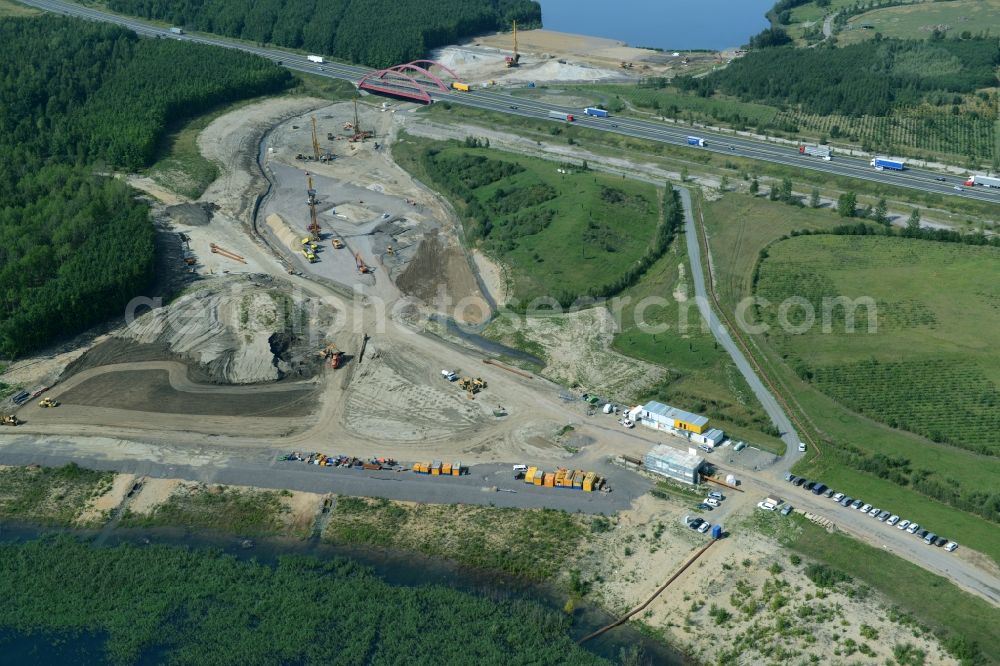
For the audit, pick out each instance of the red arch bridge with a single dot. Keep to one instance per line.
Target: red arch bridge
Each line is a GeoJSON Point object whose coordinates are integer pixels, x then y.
{"type": "Point", "coordinates": [413, 80]}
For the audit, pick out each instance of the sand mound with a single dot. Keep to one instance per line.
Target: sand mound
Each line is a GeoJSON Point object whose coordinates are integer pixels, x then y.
{"type": "Point", "coordinates": [239, 331]}
{"type": "Point", "coordinates": [283, 232]}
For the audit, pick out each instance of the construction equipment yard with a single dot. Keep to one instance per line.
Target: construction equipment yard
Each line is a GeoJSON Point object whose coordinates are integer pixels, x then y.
{"type": "Point", "coordinates": [239, 367]}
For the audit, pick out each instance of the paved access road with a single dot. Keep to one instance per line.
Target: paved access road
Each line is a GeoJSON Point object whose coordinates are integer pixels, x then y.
{"type": "Point", "coordinates": [767, 400]}
{"type": "Point", "coordinates": [486, 484]}
{"type": "Point", "coordinates": [724, 143]}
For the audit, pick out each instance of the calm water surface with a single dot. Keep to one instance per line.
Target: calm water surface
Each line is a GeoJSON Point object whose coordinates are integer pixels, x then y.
{"type": "Point", "coordinates": [666, 24]}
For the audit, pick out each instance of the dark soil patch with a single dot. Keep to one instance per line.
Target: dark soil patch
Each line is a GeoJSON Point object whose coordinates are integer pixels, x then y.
{"type": "Point", "coordinates": [150, 391]}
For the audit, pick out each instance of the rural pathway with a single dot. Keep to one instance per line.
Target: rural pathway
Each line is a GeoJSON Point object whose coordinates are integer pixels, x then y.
{"type": "Point", "coordinates": [764, 396]}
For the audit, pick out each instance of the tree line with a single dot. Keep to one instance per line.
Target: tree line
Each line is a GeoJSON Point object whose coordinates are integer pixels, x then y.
{"type": "Point", "coordinates": [870, 78]}
{"type": "Point", "coordinates": [78, 99]}
{"type": "Point", "coordinates": [379, 33]}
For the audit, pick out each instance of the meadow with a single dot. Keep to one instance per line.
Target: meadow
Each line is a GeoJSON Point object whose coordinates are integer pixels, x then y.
{"type": "Point", "coordinates": [564, 235]}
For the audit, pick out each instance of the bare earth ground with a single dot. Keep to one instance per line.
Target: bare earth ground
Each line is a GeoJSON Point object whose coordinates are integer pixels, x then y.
{"type": "Point", "coordinates": [98, 508]}
{"type": "Point", "coordinates": [578, 352]}
{"type": "Point", "coordinates": [633, 561]}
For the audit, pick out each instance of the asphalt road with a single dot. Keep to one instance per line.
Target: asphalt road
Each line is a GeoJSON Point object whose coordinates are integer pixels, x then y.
{"type": "Point", "coordinates": [724, 143]}
{"type": "Point", "coordinates": [487, 484]}
{"type": "Point", "coordinates": [766, 398]}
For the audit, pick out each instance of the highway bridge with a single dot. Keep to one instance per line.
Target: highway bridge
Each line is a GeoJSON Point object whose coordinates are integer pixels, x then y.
{"type": "Point", "coordinates": [725, 143]}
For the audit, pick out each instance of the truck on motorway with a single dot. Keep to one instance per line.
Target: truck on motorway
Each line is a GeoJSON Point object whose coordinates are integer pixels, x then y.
{"type": "Point", "coordinates": [559, 115]}
{"type": "Point", "coordinates": [456, 85]}
{"type": "Point", "coordinates": [822, 152]}
{"type": "Point", "coordinates": [597, 113]}
{"type": "Point", "coordinates": [316, 59]}
{"type": "Point", "coordinates": [888, 163]}
{"type": "Point", "coordinates": [696, 141]}
{"type": "Point", "coordinates": [985, 181]}
{"type": "Point", "coordinates": [177, 31]}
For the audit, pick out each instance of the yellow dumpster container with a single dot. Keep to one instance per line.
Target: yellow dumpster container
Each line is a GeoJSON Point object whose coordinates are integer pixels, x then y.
{"type": "Point", "coordinates": [588, 481]}
{"type": "Point", "coordinates": [539, 477]}
{"type": "Point", "coordinates": [529, 476]}
{"type": "Point", "coordinates": [436, 468]}
{"type": "Point", "coordinates": [578, 480]}
{"type": "Point", "coordinates": [445, 469]}
{"type": "Point", "coordinates": [549, 480]}
{"type": "Point", "coordinates": [456, 469]}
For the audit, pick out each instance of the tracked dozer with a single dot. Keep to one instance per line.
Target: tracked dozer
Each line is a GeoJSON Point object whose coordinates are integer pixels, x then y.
{"type": "Point", "coordinates": [9, 420]}
{"type": "Point", "coordinates": [335, 356]}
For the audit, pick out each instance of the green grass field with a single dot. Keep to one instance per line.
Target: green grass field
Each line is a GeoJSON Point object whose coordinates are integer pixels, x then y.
{"type": "Point", "coordinates": [8, 8]}
{"type": "Point", "coordinates": [932, 365]}
{"type": "Point", "coordinates": [559, 233]}
{"type": "Point", "coordinates": [703, 378]}
{"type": "Point", "coordinates": [919, 20]}
{"type": "Point", "coordinates": [738, 227]}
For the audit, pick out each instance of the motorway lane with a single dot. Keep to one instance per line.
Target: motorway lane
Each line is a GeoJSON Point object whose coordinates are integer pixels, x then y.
{"type": "Point", "coordinates": [497, 101]}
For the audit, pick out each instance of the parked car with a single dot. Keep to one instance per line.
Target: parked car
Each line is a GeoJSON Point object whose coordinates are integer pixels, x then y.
{"type": "Point", "coordinates": [767, 506]}
{"type": "Point", "coordinates": [627, 423]}
{"type": "Point", "coordinates": [856, 504]}
{"type": "Point", "coordinates": [711, 501]}
{"type": "Point", "coordinates": [940, 541]}
{"type": "Point", "coordinates": [922, 534]}
{"type": "Point", "coordinates": [929, 538]}
{"type": "Point", "coordinates": [694, 523]}
{"type": "Point", "coordinates": [866, 508]}
{"type": "Point", "coordinates": [874, 512]}
{"type": "Point", "coordinates": [790, 477]}
{"type": "Point", "coordinates": [788, 508]}
{"type": "Point", "coordinates": [704, 507]}
{"type": "Point", "coordinates": [715, 494]}
{"type": "Point", "coordinates": [913, 528]}
{"type": "Point", "coordinates": [828, 493]}
{"type": "Point", "coordinates": [799, 481]}
{"type": "Point", "coordinates": [902, 525]}
{"type": "Point", "coordinates": [951, 546]}
{"type": "Point", "coordinates": [809, 485]}
{"type": "Point", "coordinates": [802, 447]}
{"type": "Point", "coordinates": [838, 497]}
{"type": "Point", "coordinates": [819, 489]}
{"type": "Point", "coordinates": [846, 501]}
{"type": "Point", "coordinates": [883, 516]}
{"type": "Point", "coordinates": [704, 528]}
{"type": "Point", "coordinates": [893, 519]}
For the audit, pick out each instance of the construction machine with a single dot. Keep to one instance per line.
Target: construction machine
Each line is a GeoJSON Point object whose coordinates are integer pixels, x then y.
{"type": "Point", "coordinates": [336, 243]}
{"type": "Point", "coordinates": [315, 139]}
{"type": "Point", "coordinates": [334, 355]}
{"type": "Point", "coordinates": [310, 256]}
{"type": "Point", "coordinates": [362, 266]}
{"type": "Point", "coordinates": [514, 60]}
{"type": "Point", "coordinates": [47, 402]}
{"type": "Point", "coordinates": [9, 420]}
{"type": "Point", "coordinates": [314, 228]}
{"type": "Point", "coordinates": [359, 134]}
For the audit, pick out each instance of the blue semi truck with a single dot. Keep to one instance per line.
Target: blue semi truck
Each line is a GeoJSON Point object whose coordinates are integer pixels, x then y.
{"type": "Point", "coordinates": [595, 112]}
{"type": "Point", "coordinates": [696, 141]}
{"type": "Point", "coordinates": [888, 163]}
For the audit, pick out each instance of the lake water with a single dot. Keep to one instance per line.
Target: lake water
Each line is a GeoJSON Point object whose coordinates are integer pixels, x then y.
{"type": "Point", "coordinates": [666, 24]}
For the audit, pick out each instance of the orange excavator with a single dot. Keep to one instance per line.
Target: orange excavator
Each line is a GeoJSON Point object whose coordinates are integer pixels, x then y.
{"type": "Point", "coordinates": [334, 355]}
{"type": "Point", "coordinates": [362, 266]}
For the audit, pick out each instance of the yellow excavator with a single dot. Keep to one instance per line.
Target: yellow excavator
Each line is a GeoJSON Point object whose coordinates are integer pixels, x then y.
{"type": "Point", "coordinates": [47, 403]}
